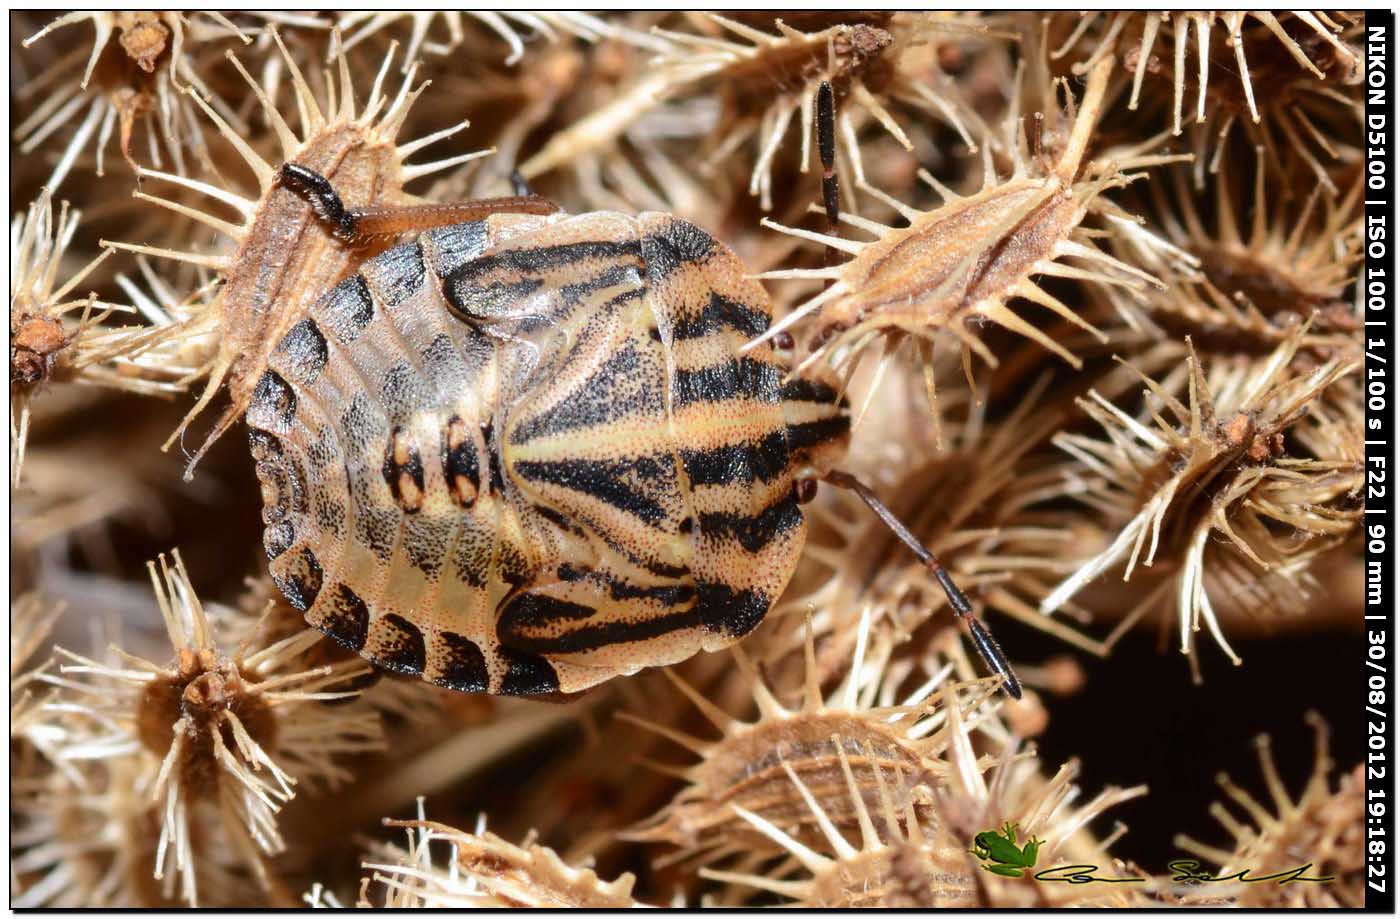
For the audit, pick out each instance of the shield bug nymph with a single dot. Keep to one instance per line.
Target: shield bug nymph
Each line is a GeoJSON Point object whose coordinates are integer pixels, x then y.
{"type": "Point", "coordinates": [523, 452]}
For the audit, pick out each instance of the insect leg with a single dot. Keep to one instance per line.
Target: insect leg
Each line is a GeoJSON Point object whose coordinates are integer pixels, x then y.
{"type": "Point", "coordinates": [987, 646]}
{"type": "Point", "coordinates": [826, 149]}
{"type": "Point", "coordinates": [359, 224]}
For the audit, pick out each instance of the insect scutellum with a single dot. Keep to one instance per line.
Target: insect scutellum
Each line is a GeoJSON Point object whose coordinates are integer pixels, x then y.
{"type": "Point", "coordinates": [533, 652]}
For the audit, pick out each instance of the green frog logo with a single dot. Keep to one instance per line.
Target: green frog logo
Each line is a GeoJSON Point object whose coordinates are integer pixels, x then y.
{"type": "Point", "coordinates": [999, 850]}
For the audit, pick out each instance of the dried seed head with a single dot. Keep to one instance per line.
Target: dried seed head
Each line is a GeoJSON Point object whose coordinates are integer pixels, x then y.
{"type": "Point", "coordinates": [33, 740]}
{"type": "Point", "coordinates": [225, 739]}
{"type": "Point", "coordinates": [485, 871]}
{"type": "Point", "coordinates": [963, 263]}
{"type": "Point", "coordinates": [762, 72]}
{"type": "Point", "coordinates": [1323, 827]}
{"type": "Point", "coordinates": [747, 764]}
{"type": "Point", "coordinates": [1177, 28]}
{"type": "Point", "coordinates": [43, 327]}
{"type": "Point", "coordinates": [767, 78]}
{"type": "Point", "coordinates": [85, 841]}
{"type": "Point", "coordinates": [139, 78]}
{"type": "Point", "coordinates": [908, 866]}
{"type": "Point", "coordinates": [361, 25]}
{"type": "Point", "coordinates": [912, 859]}
{"type": "Point", "coordinates": [278, 257]}
{"type": "Point", "coordinates": [1239, 291]}
{"type": "Point", "coordinates": [1231, 519]}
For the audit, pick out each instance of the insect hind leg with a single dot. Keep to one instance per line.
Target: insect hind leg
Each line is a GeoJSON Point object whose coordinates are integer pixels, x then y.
{"type": "Point", "coordinates": [355, 226]}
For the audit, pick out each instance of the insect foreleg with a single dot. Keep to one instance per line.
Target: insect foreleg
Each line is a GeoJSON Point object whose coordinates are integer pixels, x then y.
{"type": "Point", "coordinates": [357, 225]}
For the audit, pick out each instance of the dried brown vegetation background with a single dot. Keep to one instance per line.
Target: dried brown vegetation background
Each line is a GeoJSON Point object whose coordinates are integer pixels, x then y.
{"type": "Point", "coordinates": [1094, 297]}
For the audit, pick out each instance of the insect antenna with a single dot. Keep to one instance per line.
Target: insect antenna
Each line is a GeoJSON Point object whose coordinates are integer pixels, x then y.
{"type": "Point", "coordinates": [987, 646]}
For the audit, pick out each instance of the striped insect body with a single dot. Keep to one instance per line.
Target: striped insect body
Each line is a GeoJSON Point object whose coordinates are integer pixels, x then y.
{"type": "Point", "coordinates": [528, 451]}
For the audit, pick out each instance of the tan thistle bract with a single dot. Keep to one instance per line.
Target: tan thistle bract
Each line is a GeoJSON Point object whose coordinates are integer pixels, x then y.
{"type": "Point", "coordinates": [921, 857]}
{"type": "Point", "coordinates": [965, 262]}
{"type": "Point", "coordinates": [1212, 495]}
{"type": "Point", "coordinates": [486, 871]}
{"type": "Point", "coordinates": [1322, 828]}
{"type": "Point", "coordinates": [747, 766]}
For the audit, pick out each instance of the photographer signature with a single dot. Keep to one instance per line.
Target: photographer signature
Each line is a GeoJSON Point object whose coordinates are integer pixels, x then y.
{"type": "Point", "coordinates": [1002, 853]}
{"type": "Point", "coordinates": [1186, 870]}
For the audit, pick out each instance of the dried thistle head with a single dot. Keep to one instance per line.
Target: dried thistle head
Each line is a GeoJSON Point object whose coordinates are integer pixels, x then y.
{"type": "Point", "coordinates": [907, 865]}
{"type": "Point", "coordinates": [484, 871]}
{"type": "Point", "coordinates": [746, 765]}
{"type": "Point", "coordinates": [278, 257]}
{"type": "Point", "coordinates": [225, 738]}
{"type": "Point", "coordinates": [360, 25]}
{"type": "Point", "coordinates": [83, 839]}
{"type": "Point", "coordinates": [767, 76]}
{"type": "Point", "coordinates": [925, 860]}
{"type": "Point", "coordinates": [742, 80]}
{"type": "Point", "coordinates": [1323, 828]}
{"type": "Point", "coordinates": [1216, 496]}
{"type": "Point", "coordinates": [1239, 290]}
{"type": "Point", "coordinates": [1309, 38]}
{"type": "Point", "coordinates": [33, 741]}
{"type": "Point", "coordinates": [140, 78]}
{"type": "Point", "coordinates": [43, 327]}
{"type": "Point", "coordinates": [961, 264]}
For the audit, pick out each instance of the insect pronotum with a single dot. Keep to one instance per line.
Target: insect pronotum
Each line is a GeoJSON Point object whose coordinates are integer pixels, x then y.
{"type": "Point", "coordinates": [523, 453]}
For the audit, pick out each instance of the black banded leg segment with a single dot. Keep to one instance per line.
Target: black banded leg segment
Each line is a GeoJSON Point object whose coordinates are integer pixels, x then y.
{"type": "Point", "coordinates": [987, 646]}
{"type": "Point", "coordinates": [353, 226]}
{"type": "Point", "coordinates": [826, 149]}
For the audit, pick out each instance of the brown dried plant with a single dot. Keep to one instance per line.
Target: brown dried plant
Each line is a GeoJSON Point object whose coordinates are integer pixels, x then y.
{"type": "Point", "coordinates": [960, 265]}
{"type": "Point", "coordinates": [485, 871]}
{"type": "Point", "coordinates": [1322, 829]}
{"type": "Point", "coordinates": [223, 738]}
{"type": "Point", "coordinates": [141, 77]}
{"type": "Point", "coordinates": [746, 766]}
{"type": "Point", "coordinates": [1143, 228]}
{"type": "Point", "coordinates": [1143, 30]}
{"type": "Point", "coordinates": [1214, 496]}
{"type": "Point", "coordinates": [924, 861]}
